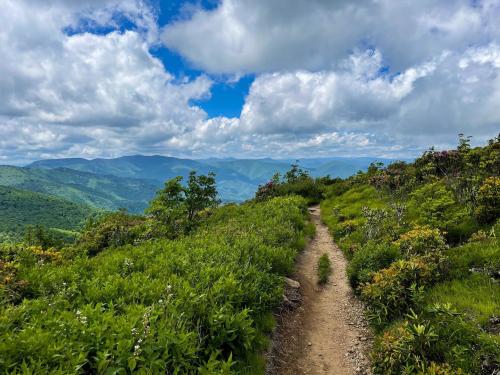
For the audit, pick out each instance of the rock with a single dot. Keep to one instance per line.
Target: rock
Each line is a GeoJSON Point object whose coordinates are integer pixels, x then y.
{"type": "Point", "coordinates": [309, 343]}
{"type": "Point", "coordinates": [292, 283]}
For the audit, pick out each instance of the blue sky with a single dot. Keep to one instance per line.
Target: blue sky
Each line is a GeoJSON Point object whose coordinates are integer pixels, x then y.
{"type": "Point", "coordinates": [246, 78]}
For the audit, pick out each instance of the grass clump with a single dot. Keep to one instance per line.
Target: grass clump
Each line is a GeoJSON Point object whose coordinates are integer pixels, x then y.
{"type": "Point", "coordinates": [324, 269]}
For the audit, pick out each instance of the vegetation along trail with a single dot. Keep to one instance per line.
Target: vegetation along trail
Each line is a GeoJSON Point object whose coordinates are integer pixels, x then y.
{"type": "Point", "coordinates": [326, 333]}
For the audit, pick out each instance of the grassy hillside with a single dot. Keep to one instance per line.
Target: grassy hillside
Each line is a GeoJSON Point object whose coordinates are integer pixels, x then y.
{"type": "Point", "coordinates": [103, 191]}
{"type": "Point", "coordinates": [196, 304]}
{"type": "Point", "coordinates": [423, 245]}
{"type": "Point", "coordinates": [19, 208]}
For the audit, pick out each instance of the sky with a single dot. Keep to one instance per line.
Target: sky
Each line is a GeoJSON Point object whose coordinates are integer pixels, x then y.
{"type": "Point", "coordinates": [246, 78]}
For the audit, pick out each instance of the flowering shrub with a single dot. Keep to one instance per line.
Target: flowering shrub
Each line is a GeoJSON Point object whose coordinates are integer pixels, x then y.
{"type": "Point", "coordinates": [395, 289]}
{"type": "Point", "coordinates": [479, 236]}
{"type": "Point", "coordinates": [420, 241]}
{"type": "Point", "coordinates": [405, 350]}
{"type": "Point", "coordinates": [11, 288]}
{"type": "Point", "coordinates": [374, 219]}
{"type": "Point", "coordinates": [347, 227]}
{"type": "Point", "coordinates": [488, 200]}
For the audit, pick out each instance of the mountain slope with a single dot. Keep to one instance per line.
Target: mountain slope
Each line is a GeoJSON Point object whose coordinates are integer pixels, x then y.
{"type": "Point", "coordinates": [237, 179]}
{"type": "Point", "coordinates": [104, 191]}
{"type": "Point", "coordinates": [19, 208]}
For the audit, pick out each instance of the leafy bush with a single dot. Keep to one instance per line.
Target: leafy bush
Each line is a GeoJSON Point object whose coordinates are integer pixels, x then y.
{"type": "Point", "coordinates": [488, 200]}
{"type": "Point", "coordinates": [110, 230]}
{"type": "Point", "coordinates": [435, 205]}
{"type": "Point", "coordinates": [421, 241]}
{"type": "Point", "coordinates": [296, 181]}
{"type": "Point", "coordinates": [324, 269]}
{"type": "Point", "coordinates": [437, 340]}
{"type": "Point", "coordinates": [394, 290]}
{"type": "Point", "coordinates": [411, 347]}
{"type": "Point", "coordinates": [371, 258]}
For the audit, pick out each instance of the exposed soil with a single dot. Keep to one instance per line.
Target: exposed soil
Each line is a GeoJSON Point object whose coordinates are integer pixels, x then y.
{"type": "Point", "coordinates": [321, 329]}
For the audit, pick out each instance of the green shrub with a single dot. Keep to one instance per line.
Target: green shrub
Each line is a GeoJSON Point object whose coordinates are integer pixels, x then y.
{"type": "Point", "coordinates": [324, 269]}
{"type": "Point", "coordinates": [371, 258]}
{"type": "Point", "coordinates": [412, 347]}
{"type": "Point", "coordinates": [488, 200]}
{"type": "Point", "coordinates": [394, 290]}
{"type": "Point", "coordinates": [110, 230]}
{"type": "Point", "coordinates": [434, 204]}
{"type": "Point", "coordinates": [421, 241]}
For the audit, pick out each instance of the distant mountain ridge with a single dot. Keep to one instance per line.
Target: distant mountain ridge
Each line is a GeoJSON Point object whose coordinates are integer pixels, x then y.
{"type": "Point", "coordinates": [237, 179]}
{"type": "Point", "coordinates": [78, 184]}
{"type": "Point", "coordinates": [98, 190]}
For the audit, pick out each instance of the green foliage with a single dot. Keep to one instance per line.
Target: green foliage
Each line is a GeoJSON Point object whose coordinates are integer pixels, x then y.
{"type": "Point", "coordinates": [435, 306]}
{"type": "Point", "coordinates": [488, 200]}
{"type": "Point", "coordinates": [176, 209]}
{"type": "Point", "coordinates": [296, 181]}
{"type": "Point", "coordinates": [111, 229]}
{"type": "Point", "coordinates": [477, 295]}
{"type": "Point", "coordinates": [19, 208]}
{"type": "Point", "coordinates": [368, 260]}
{"type": "Point", "coordinates": [37, 235]}
{"type": "Point", "coordinates": [434, 204]}
{"type": "Point", "coordinates": [421, 241]}
{"type": "Point", "coordinates": [399, 287]}
{"type": "Point", "coordinates": [481, 256]}
{"type": "Point", "coordinates": [197, 304]}
{"type": "Point", "coordinates": [438, 335]}
{"type": "Point", "coordinates": [324, 269]}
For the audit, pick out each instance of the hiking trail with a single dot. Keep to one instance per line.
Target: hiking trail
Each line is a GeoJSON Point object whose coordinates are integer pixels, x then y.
{"type": "Point", "coordinates": [321, 329]}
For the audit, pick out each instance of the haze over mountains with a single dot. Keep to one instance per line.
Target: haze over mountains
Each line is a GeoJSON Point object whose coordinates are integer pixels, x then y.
{"type": "Point", "coordinates": [85, 186]}
{"type": "Point", "coordinates": [237, 179]}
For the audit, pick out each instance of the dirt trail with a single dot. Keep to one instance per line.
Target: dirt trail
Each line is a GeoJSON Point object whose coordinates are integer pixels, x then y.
{"type": "Point", "coordinates": [323, 330]}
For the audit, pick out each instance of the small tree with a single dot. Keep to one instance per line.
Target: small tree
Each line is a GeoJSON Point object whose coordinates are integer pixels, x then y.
{"type": "Point", "coordinates": [176, 208]}
{"type": "Point", "coordinates": [167, 208]}
{"type": "Point", "coordinates": [37, 235]}
{"type": "Point", "coordinates": [200, 194]}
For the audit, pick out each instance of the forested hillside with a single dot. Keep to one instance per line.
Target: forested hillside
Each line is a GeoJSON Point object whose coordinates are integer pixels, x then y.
{"type": "Point", "coordinates": [20, 208]}
{"type": "Point", "coordinates": [102, 191]}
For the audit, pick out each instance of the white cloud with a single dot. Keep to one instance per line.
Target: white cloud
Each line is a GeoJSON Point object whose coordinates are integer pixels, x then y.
{"type": "Point", "coordinates": [105, 91]}
{"type": "Point", "coordinates": [374, 77]}
{"type": "Point", "coordinates": [242, 36]}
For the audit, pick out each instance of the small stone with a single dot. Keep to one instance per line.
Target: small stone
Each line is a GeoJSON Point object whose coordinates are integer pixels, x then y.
{"type": "Point", "coordinates": [309, 343]}
{"type": "Point", "coordinates": [292, 283]}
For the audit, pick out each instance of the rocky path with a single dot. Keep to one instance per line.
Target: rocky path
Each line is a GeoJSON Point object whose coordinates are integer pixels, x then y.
{"type": "Point", "coordinates": [321, 330]}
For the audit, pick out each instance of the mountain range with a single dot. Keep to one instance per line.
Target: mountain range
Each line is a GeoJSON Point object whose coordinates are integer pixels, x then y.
{"type": "Point", "coordinates": [130, 182]}
{"type": "Point", "coordinates": [237, 179]}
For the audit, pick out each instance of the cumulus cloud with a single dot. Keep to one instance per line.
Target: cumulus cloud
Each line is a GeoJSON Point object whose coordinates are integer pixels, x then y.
{"type": "Point", "coordinates": [372, 77]}
{"type": "Point", "coordinates": [263, 36]}
{"type": "Point", "coordinates": [104, 91]}
{"type": "Point", "coordinates": [358, 109]}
